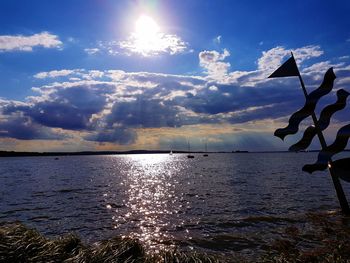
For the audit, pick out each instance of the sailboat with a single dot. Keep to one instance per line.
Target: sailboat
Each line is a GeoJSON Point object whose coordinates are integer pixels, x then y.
{"type": "Point", "coordinates": [206, 150]}
{"type": "Point", "coordinates": [171, 152]}
{"type": "Point", "coordinates": [189, 155]}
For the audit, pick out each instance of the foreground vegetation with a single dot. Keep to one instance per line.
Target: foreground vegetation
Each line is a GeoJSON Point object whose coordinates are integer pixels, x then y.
{"type": "Point", "coordinates": [322, 238]}
{"type": "Point", "coordinates": [21, 244]}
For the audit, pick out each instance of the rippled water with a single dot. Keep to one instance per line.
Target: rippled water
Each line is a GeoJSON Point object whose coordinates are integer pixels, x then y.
{"type": "Point", "coordinates": [222, 203]}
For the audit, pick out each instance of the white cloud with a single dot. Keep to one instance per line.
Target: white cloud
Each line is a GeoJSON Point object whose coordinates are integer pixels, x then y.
{"type": "Point", "coordinates": [161, 43]}
{"type": "Point", "coordinates": [73, 74]}
{"type": "Point", "coordinates": [54, 73]}
{"type": "Point", "coordinates": [147, 39]}
{"type": "Point", "coordinates": [91, 51]}
{"type": "Point", "coordinates": [274, 57]}
{"type": "Point", "coordinates": [212, 61]}
{"type": "Point", "coordinates": [217, 39]}
{"type": "Point", "coordinates": [322, 67]}
{"type": "Point", "coordinates": [213, 88]}
{"type": "Point", "coordinates": [307, 52]}
{"type": "Point", "coordinates": [26, 43]}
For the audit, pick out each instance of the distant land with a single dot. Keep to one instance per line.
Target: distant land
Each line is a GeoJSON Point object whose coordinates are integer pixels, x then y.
{"type": "Point", "coordinates": [19, 154]}
{"type": "Point", "coordinates": [16, 154]}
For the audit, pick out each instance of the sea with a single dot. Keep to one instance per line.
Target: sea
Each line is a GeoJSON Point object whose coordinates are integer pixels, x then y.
{"type": "Point", "coordinates": [224, 204]}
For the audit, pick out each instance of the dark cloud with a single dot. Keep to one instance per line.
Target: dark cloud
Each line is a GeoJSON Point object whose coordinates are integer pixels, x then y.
{"type": "Point", "coordinates": [120, 136]}
{"type": "Point", "coordinates": [143, 112]}
{"type": "Point", "coordinates": [66, 108]}
{"type": "Point", "coordinates": [23, 128]}
{"type": "Point", "coordinates": [111, 111]}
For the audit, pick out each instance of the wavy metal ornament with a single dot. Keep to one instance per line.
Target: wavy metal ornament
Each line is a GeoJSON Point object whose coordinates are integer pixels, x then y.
{"type": "Point", "coordinates": [342, 168]}
{"type": "Point", "coordinates": [309, 106]}
{"type": "Point", "coordinates": [326, 154]}
{"type": "Point", "coordinates": [290, 68]}
{"type": "Point", "coordinates": [323, 121]}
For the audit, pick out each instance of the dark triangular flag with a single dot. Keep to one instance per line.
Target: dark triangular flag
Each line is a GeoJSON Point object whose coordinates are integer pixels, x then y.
{"type": "Point", "coordinates": [288, 69]}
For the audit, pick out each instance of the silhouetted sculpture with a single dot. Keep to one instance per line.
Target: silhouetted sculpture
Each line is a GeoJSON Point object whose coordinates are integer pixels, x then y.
{"type": "Point", "coordinates": [340, 168]}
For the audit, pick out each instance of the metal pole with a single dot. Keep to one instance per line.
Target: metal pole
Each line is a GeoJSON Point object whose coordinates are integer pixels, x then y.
{"type": "Point", "coordinates": [337, 185]}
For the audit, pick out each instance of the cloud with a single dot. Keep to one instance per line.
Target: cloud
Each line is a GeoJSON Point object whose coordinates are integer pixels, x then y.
{"type": "Point", "coordinates": [54, 74]}
{"type": "Point", "coordinates": [120, 135]}
{"type": "Point", "coordinates": [92, 51]}
{"type": "Point", "coordinates": [147, 40]}
{"type": "Point", "coordinates": [73, 74]}
{"type": "Point", "coordinates": [217, 39]}
{"type": "Point", "coordinates": [114, 106]}
{"type": "Point", "coordinates": [144, 112]}
{"type": "Point", "coordinates": [23, 128]}
{"type": "Point", "coordinates": [273, 58]}
{"type": "Point", "coordinates": [145, 45]}
{"type": "Point", "coordinates": [27, 43]}
{"type": "Point", "coordinates": [212, 62]}
{"type": "Point", "coordinates": [160, 44]}
{"type": "Point", "coordinates": [322, 67]}
{"type": "Point", "coordinates": [67, 108]}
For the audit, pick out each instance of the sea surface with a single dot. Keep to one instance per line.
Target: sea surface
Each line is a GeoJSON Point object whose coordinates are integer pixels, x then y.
{"type": "Point", "coordinates": [223, 203]}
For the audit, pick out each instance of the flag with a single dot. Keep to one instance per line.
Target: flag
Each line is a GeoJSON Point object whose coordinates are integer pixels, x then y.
{"type": "Point", "coordinates": [288, 69]}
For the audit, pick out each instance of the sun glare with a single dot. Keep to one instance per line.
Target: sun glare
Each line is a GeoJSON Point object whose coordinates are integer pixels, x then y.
{"type": "Point", "coordinates": [149, 39]}
{"type": "Point", "coordinates": [146, 27]}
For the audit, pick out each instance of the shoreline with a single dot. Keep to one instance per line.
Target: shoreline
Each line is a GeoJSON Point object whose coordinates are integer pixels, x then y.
{"type": "Point", "coordinates": [85, 153]}
{"type": "Point", "coordinates": [324, 238]}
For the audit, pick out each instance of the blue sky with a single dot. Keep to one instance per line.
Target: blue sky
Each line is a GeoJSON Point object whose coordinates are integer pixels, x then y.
{"type": "Point", "coordinates": [119, 75]}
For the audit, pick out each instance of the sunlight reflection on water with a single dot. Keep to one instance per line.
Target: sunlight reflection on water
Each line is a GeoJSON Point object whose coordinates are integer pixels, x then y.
{"type": "Point", "coordinates": [151, 197]}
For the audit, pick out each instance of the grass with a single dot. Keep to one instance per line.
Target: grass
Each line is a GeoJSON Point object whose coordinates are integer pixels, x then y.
{"type": "Point", "coordinates": [322, 238]}
{"type": "Point", "coordinates": [21, 244]}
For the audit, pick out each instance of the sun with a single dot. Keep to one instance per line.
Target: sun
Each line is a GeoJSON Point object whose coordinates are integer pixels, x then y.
{"type": "Point", "coordinates": [146, 27]}
{"type": "Point", "coordinates": [149, 39]}
{"type": "Point", "coordinates": [147, 36]}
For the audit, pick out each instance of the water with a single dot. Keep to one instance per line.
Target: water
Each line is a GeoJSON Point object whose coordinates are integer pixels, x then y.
{"type": "Point", "coordinates": [224, 203]}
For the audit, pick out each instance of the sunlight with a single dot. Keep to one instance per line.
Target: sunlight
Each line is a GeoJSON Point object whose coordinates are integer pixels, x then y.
{"type": "Point", "coordinates": [147, 39]}
{"type": "Point", "coordinates": [147, 35]}
{"type": "Point", "coordinates": [146, 28]}
{"type": "Point", "coordinates": [150, 159]}
{"type": "Point", "coordinates": [152, 198]}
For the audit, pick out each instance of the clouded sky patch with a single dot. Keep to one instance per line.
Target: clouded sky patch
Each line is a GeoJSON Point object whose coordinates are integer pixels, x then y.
{"type": "Point", "coordinates": [27, 43]}
{"type": "Point", "coordinates": [132, 77]}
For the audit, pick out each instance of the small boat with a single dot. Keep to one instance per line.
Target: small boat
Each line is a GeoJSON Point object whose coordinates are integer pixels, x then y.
{"type": "Point", "coordinates": [189, 155]}
{"type": "Point", "coordinates": [57, 158]}
{"type": "Point", "coordinates": [206, 150]}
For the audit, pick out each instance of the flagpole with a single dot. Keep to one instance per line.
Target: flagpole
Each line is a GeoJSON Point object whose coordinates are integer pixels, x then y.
{"type": "Point", "coordinates": [337, 185]}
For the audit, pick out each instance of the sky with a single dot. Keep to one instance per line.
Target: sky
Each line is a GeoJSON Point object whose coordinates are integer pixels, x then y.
{"type": "Point", "coordinates": [92, 75]}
